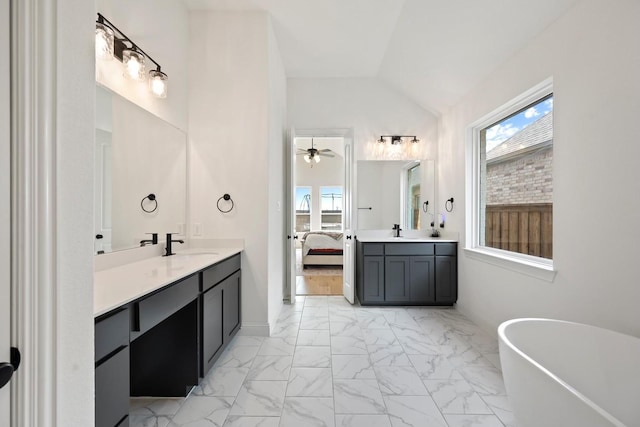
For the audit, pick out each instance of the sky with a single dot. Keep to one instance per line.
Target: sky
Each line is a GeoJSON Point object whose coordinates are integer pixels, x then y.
{"type": "Point", "coordinates": [505, 129]}
{"type": "Point", "coordinates": [328, 202]}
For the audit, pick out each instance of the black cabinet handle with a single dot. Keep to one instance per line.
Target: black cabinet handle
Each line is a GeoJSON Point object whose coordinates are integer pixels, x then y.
{"type": "Point", "coordinates": [99, 236]}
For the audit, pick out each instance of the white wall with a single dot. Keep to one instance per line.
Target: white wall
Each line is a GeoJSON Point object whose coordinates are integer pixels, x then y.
{"type": "Point", "coordinates": [161, 29]}
{"type": "Point", "coordinates": [592, 53]}
{"type": "Point", "coordinates": [368, 106]}
{"type": "Point", "coordinates": [230, 124]}
{"type": "Point", "coordinates": [277, 135]}
{"type": "Point", "coordinates": [74, 216]}
{"type": "Point", "coordinates": [328, 172]}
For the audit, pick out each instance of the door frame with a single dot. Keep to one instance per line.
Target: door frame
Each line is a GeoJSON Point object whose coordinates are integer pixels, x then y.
{"type": "Point", "coordinates": [293, 133]}
{"type": "Point", "coordinates": [34, 284]}
{"type": "Point", "coordinates": [5, 206]}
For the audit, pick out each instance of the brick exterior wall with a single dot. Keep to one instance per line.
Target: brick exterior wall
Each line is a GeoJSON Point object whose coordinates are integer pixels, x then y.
{"type": "Point", "coordinates": [523, 179]}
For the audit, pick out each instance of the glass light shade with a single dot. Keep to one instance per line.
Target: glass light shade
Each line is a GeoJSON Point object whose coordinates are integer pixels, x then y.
{"type": "Point", "coordinates": [307, 158]}
{"type": "Point", "coordinates": [133, 64]}
{"type": "Point", "coordinates": [316, 158]}
{"type": "Point", "coordinates": [158, 83]}
{"type": "Point", "coordinates": [104, 41]}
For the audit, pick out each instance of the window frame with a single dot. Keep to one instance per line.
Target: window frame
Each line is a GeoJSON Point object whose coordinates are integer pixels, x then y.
{"type": "Point", "coordinates": [542, 268]}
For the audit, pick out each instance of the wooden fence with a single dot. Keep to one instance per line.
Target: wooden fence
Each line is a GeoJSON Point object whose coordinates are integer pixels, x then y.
{"type": "Point", "coordinates": [527, 229]}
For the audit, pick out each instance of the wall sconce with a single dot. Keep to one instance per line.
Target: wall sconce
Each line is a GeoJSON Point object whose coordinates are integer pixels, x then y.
{"type": "Point", "coordinates": [397, 139]}
{"type": "Point", "coordinates": [111, 42]}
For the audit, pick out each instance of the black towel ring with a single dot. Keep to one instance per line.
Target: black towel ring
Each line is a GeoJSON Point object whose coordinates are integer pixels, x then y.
{"type": "Point", "coordinates": [152, 198]}
{"type": "Point", "coordinates": [225, 197]}
{"type": "Point", "coordinates": [448, 205]}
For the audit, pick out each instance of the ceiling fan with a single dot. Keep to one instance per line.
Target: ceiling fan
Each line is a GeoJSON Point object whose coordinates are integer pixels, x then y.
{"type": "Point", "coordinates": [313, 154]}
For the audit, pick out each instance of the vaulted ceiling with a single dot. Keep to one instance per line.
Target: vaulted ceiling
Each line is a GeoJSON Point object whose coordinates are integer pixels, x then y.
{"type": "Point", "coordinates": [433, 51]}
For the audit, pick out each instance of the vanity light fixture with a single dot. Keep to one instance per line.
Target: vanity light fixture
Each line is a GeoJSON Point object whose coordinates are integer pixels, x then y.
{"type": "Point", "coordinates": [397, 139]}
{"type": "Point", "coordinates": [111, 42]}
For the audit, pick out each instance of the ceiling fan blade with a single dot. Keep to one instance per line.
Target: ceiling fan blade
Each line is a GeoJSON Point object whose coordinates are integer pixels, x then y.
{"type": "Point", "coordinates": [325, 150]}
{"type": "Point", "coordinates": [327, 155]}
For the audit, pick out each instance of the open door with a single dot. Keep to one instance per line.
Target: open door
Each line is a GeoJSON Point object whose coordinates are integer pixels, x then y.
{"type": "Point", "coordinates": [348, 270]}
{"type": "Point", "coordinates": [290, 244]}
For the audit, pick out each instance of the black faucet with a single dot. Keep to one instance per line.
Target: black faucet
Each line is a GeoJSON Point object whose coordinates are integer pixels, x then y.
{"type": "Point", "coordinates": [397, 229]}
{"type": "Point", "coordinates": [169, 241]}
{"type": "Point", "coordinates": [153, 241]}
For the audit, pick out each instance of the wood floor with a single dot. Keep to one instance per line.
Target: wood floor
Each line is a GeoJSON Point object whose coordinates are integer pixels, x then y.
{"type": "Point", "coordinates": [319, 285]}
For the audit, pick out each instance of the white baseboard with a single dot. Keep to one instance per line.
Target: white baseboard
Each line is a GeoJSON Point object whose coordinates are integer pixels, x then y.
{"type": "Point", "coordinates": [254, 329]}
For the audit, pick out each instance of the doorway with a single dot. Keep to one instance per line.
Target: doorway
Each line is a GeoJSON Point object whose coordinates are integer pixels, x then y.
{"type": "Point", "coordinates": [318, 196]}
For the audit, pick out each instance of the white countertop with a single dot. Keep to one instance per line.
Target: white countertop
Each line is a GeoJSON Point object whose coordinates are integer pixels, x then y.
{"type": "Point", "coordinates": [409, 236]}
{"type": "Point", "coordinates": [374, 239]}
{"type": "Point", "coordinates": [120, 285]}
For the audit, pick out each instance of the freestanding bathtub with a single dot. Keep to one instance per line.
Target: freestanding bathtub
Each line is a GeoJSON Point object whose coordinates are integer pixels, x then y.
{"type": "Point", "coordinates": [565, 374]}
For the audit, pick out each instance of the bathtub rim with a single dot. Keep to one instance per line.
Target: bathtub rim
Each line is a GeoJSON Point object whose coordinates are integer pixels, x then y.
{"type": "Point", "coordinates": [504, 339]}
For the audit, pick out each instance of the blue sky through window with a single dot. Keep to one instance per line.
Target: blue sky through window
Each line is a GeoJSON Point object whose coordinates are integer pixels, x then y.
{"type": "Point", "coordinates": [505, 129]}
{"type": "Point", "coordinates": [303, 198]}
{"type": "Point", "coordinates": [331, 199]}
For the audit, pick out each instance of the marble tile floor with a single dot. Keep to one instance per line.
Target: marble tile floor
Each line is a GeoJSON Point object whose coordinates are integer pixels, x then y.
{"type": "Point", "coordinates": [330, 364]}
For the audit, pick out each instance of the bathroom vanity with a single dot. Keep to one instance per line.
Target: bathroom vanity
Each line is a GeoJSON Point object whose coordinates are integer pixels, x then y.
{"type": "Point", "coordinates": [160, 324]}
{"type": "Point", "coordinates": [406, 271]}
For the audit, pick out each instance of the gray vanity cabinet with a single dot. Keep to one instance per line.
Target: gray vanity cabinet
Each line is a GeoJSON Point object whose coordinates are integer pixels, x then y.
{"type": "Point", "coordinates": [421, 273]}
{"type": "Point", "coordinates": [212, 332]}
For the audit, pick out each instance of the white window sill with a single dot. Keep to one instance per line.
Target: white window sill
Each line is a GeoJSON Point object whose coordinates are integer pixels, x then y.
{"type": "Point", "coordinates": [539, 268]}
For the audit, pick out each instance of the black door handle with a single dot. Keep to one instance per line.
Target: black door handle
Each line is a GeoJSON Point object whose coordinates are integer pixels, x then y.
{"type": "Point", "coordinates": [288, 237]}
{"type": "Point", "coordinates": [6, 372]}
{"type": "Point", "coordinates": [295, 237]}
{"type": "Point", "coordinates": [99, 236]}
{"type": "Point", "coordinates": [348, 237]}
{"type": "Point", "coordinates": [7, 369]}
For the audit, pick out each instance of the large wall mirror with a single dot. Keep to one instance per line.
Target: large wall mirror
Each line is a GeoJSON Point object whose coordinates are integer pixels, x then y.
{"type": "Point", "coordinates": [395, 192]}
{"type": "Point", "coordinates": [136, 154]}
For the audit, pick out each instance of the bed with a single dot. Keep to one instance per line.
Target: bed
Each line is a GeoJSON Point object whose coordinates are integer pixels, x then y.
{"type": "Point", "coordinates": [321, 248]}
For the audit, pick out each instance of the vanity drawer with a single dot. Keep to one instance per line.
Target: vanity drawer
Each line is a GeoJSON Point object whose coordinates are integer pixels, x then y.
{"type": "Point", "coordinates": [154, 309]}
{"type": "Point", "coordinates": [112, 390]}
{"type": "Point", "coordinates": [373, 249]}
{"type": "Point", "coordinates": [408, 249]}
{"type": "Point", "coordinates": [218, 272]}
{"type": "Point", "coordinates": [447, 249]}
{"type": "Point", "coordinates": [112, 333]}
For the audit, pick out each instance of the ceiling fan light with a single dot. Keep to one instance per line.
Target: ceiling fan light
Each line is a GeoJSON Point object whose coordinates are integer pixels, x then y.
{"type": "Point", "coordinates": [307, 158]}
{"type": "Point", "coordinates": [316, 158]}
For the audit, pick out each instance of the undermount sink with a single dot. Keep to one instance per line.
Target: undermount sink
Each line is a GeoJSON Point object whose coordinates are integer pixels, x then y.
{"type": "Point", "coordinates": [194, 255]}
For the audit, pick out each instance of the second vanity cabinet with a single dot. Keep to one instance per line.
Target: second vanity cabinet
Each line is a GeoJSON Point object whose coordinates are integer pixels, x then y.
{"type": "Point", "coordinates": [421, 273]}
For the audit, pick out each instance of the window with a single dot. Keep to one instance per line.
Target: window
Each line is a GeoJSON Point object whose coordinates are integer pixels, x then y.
{"type": "Point", "coordinates": [331, 208]}
{"type": "Point", "coordinates": [303, 209]}
{"type": "Point", "coordinates": [412, 198]}
{"type": "Point", "coordinates": [513, 182]}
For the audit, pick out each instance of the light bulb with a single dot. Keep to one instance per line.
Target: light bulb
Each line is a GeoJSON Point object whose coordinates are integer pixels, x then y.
{"type": "Point", "coordinates": [307, 158]}
{"type": "Point", "coordinates": [104, 42]}
{"type": "Point", "coordinates": [134, 64]}
{"type": "Point", "coordinates": [317, 158]}
{"type": "Point", "coordinates": [158, 83]}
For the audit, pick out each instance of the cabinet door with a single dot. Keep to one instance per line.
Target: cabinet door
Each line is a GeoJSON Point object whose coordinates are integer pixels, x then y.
{"type": "Point", "coordinates": [212, 333]}
{"type": "Point", "coordinates": [422, 279]}
{"type": "Point", "coordinates": [397, 282]}
{"type": "Point", "coordinates": [231, 305]}
{"type": "Point", "coordinates": [373, 278]}
{"type": "Point", "coordinates": [446, 279]}
{"type": "Point", "coordinates": [112, 390]}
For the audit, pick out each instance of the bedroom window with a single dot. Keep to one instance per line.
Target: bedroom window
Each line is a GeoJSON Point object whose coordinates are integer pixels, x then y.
{"type": "Point", "coordinates": [331, 208]}
{"type": "Point", "coordinates": [511, 153]}
{"type": "Point", "coordinates": [303, 209]}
